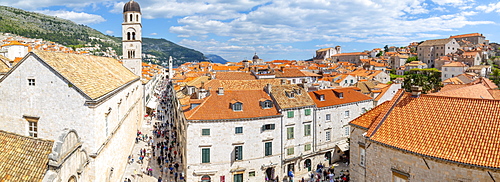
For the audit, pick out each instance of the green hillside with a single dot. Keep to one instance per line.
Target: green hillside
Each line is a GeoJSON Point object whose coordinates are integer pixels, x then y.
{"type": "Point", "coordinates": [65, 32]}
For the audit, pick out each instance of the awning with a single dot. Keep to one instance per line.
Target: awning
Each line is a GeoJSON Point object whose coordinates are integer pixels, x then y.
{"type": "Point", "coordinates": [344, 146]}
{"type": "Point", "coordinates": [153, 103]}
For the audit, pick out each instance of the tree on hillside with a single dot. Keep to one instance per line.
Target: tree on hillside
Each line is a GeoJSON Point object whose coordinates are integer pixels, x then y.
{"type": "Point", "coordinates": [381, 53]}
{"type": "Point", "coordinates": [495, 76]}
{"type": "Point", "coordinates": [410, 59]}
{"type": "Point", "coordinates": [386, 48]}
{"type": "Point", "coordinates": [428, 79]}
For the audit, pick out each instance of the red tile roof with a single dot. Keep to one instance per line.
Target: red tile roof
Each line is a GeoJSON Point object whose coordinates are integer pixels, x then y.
{"type": "Point", "coordinates": [461, 130]}
{"type": "Point", "coordinates": [467, 35]}
{"type": "Point", "coordinates": [234, 76]}
{"type": "Point", "coordinates": [364, 121]}
{"type": "Point", "coordinates": [331, 97]}
{"type": "Point", "coordinates": [217, 107]}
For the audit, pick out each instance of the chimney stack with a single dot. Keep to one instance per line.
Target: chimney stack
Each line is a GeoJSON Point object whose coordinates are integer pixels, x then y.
{"type": "Point", "coordinates": [416, 91]}
{"type": "Point", "coordinates": [221, 91]}
{"type": "Point", "coordinates": [268, 88]}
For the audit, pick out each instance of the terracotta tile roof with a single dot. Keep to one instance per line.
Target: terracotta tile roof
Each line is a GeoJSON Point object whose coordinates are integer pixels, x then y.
{"type": "Point", "coordinates": [234, 76]}
{"type": "Point", "coordinates": [351, 54]}
{"type": "Point", "coordinates": [279, 94]}
{"type": "Point", "coordinates": [435, 42]}
{"type": "Point", "coordinates": [23, 158]}
{"type": "Point", "coordinates": [477, 91]}
{"type": "Point", "coordinates": [289, 73]}
{"type": "Point", "coordinates": [448, 87]}
{"type": "Point", "coordinates": [486, 82]}
{"type": "Point", "coordinates": [331, 97]}
{"type": "Point", "coordinates": [226, 68]}
{"type": "Point", "coordinates": [241, 84]}
{"type": "Point", "coordinates": [366, 86]}
{"type": "Point", "coordinates": [467, 35]}
{"type": "Point", "coordinates": [14, 43]}
{"type": "Point", "coordinates": [495, 93]}
{"type": "Point", "coordinates": [424, 126]}
{"type": "Point", "coordinates": [364, 121]}
{"type": "Point", "coordinates": [216, 107]}
{"type": "Point", "coordinates": [94, 75]}
{"type": "Point", "coordinates": [455, 64]}
{"type": "Point", "coordinates": [3, 66]}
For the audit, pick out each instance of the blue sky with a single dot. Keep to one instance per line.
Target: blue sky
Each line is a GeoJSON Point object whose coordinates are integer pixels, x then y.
{"type": "Point", "coordinates": [284, 29]}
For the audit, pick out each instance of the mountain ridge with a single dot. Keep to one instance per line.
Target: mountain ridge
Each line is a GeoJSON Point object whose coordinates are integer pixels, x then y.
{"type": "Point", "coordinates": [65, 32]}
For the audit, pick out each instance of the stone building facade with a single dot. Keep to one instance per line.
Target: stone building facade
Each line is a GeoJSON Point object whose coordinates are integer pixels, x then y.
{"type": "Point", "coordinates": [99, 98]}
{"type": "Point", "coordinates": [430, 50]}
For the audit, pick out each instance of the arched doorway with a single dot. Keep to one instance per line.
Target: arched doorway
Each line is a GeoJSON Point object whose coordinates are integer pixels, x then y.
{"type": "Point", "coordinates": [307, 164]}
{"type": "Point", "coordinates": [328, 156]}
{"type": "Point", "coordinates": [270, 174]}
{"type": "Point", "coordinates": [205, 178]}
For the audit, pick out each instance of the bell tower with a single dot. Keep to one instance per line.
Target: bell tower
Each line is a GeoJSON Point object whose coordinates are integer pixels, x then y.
{"type": "Point", "coordinates": [132, 37]}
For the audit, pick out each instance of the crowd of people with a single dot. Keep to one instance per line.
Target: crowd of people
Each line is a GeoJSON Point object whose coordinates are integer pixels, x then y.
{"type": "Point", "coordinates": [161, 157]}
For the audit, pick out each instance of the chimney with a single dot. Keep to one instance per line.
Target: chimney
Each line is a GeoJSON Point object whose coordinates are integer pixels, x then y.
{"type": "Point", "coordinates": [416, 91]}
{"type": "Point", "coordinates": [269, 88]}
{"type": "Point", "coordinates": [221, 91]}
{"type": "Point", "coordinates": [283, 81]}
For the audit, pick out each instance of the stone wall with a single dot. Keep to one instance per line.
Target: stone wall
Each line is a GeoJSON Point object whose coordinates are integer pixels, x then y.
{"type": "Point", "coordinates": [381, 161]}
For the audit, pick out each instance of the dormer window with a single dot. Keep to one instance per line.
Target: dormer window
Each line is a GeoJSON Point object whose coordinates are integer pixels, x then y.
{"type": "Point", "coordinates": [298, 91]}
{"type": "Point", "coordinates": [290, 94]}
{"type": "Point", "coordinates": [341, 95]}
{"type": "Point", "coordinates": [321, 97]}
{"type": "Point", "coordinates": [267, 104]}
{"type": "Point", "coordinates": [238, 106]}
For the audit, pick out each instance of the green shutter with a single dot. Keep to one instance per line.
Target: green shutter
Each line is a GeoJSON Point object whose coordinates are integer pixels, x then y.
{"type": "Point", "coordinates": [289, 132]}
{"type": "Point", "coordinates": [268, 147]}
{"type": "Point", "coordinates": [308, 112]}
{"type": "Point", "coordinates": [205, 155]}
{"type": "Point", "coordinates": [205, 132]}
{"type": "Point", "coordinates": [307, 130]}
{"type": "Point", "coordinates": [290, 114]}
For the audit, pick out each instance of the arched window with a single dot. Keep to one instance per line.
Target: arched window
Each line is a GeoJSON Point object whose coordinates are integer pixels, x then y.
{"type": "Point", "coordinates": [133, 35]}
{"type": "Point", "coordinates": [128, 35]}
{"type": "Point", "coordinates": [137, 18]}
{"type": "Point", "coordinates": [130, 17]}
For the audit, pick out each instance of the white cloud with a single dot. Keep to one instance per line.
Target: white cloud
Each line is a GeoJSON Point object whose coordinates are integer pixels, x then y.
{"type": "Point", "coordinates": [109, 32]}
{"type": "Point", "coordinates": [493, 7]}
{"type": "Point", "coordinates": [288, 21]}
{"type": "Point", "coordinates": [153, 34]}
{"type": "Point", "coordinates": [452, 2]}
{"type": "Point", "coordinates": [80, 18]}
{"type": "Point", "coordinates": [37, 4]}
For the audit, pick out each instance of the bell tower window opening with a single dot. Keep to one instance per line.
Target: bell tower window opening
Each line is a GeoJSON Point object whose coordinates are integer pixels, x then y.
{"type": "Point", "coordinates": [133, 35]}
{"type": "Point", "coordinates": [137, 17]}
{"type": "Point", "coordinates": [130, 17]}
{"type": "Point", "coordinates": [128, 35]}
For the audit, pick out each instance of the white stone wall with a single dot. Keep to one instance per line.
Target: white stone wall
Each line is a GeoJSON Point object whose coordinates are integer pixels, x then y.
{"type": "Point", "coordinates": [449, 72]}
{"type": "Point", "coordinates": [389, 94]}
{"type": "Point", "coordinates": [298, 122]}
{"type": "Point", "coordinates": [222, 141]}
{"type": "Point", "coordinates": [338, 123]}
{"type": "Point", "coordinates": [59, 105]}
{"type": "Point", "coordinates": [381, 160]}
{"type": "Point", "coordinates": [14, 51]}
